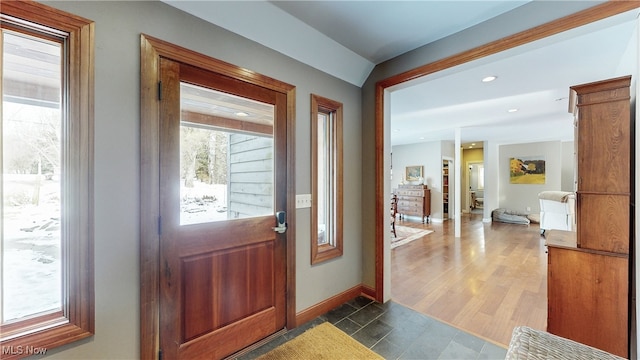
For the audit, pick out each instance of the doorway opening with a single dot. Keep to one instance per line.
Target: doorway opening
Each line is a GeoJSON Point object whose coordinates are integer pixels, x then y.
{"type": "Point", "coordinates": [384, 87]}
{"type": "Point", "coordinates": [475, 192]}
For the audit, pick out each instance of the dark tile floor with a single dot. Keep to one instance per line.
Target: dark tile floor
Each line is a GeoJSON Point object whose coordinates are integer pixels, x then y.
{"type": "Point", "coordinates": [396, 332]}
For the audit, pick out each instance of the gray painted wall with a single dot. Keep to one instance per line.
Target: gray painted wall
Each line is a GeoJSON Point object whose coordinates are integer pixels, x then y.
{"type": "Point", "coordinates": [117, 150]}
{"type": "Point", "coordinates": [429, 156]}
{"type": "Point", "coordinates": [524, 197]}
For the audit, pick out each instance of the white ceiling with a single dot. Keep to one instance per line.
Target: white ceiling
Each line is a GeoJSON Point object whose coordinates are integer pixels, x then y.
{"type": "Point", "coordinates": [534, 79]}
{"type": "Point", "coordinates": [361, 34]}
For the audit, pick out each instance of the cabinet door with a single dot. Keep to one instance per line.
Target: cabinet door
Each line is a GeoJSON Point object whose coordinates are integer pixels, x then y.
{"type": "Point", "coordinates": [603, 222]}
{"type": "Point", "coordinates": [604, 142]}
{"type": "Point", "coordinates": [588, 298]}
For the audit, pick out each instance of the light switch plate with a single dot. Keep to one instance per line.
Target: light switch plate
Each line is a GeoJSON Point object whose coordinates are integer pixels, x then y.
{"type": "Point", "coordinates": [303, 201]}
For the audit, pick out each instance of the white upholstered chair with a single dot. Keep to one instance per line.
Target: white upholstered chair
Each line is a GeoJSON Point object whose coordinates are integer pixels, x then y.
{"type": "Point", "coordinates": [557, 211]}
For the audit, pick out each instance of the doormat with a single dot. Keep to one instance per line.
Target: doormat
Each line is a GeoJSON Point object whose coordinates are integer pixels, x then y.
{"type": "Point", "coordinates": [324, 341]}
{"type": "Point", "coordinates": [406, 235]}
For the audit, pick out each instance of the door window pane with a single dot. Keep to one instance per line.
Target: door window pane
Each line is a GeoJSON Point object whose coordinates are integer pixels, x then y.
{"type": "Point", "coordinates": [31, 176]}
{"type": "Point", "coordinates": [226, 156]}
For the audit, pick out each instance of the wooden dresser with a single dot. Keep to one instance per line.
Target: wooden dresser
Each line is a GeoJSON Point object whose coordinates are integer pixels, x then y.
{"type": "Point", "coordinates": [414, 200]}
{"type": "Point", "coordinates": [588, 276]}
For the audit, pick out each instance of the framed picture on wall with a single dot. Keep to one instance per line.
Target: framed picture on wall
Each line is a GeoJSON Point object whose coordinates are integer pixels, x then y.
{"type": "Point", "coordinates": [527, 170]}
{"type": "Point", "coordinates": [413, 173]}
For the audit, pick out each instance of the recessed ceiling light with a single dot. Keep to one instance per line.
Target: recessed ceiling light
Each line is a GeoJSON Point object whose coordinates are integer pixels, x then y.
{"type": "Point", "coordinates": [489, 78]}
{"type": "Point", "coordinates": [473, 144]}
{"type": "Point", "coordinates": [512, 110]}
{"type": "Point", "coordinates": [421, 137]}
{"type": "Point", "coordinates": [242, 114]}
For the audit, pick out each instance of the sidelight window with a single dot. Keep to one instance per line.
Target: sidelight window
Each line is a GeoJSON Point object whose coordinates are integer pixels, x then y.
{"type": "Point", "coordinates": [326, 175]}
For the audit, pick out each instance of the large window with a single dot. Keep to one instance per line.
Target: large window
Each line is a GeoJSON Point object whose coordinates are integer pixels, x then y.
{"type": "Point", "coordinates": [326, 179]}
{"type": "Point", "coordinates": [46, 232]}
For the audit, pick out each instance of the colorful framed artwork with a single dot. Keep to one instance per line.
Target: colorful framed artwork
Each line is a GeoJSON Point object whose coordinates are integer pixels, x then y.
{"type": "Point", "coordinates": [527, 170]}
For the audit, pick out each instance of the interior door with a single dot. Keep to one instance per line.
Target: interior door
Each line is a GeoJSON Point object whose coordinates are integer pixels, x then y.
{"type": "Point", "coordinates": [222, 179]}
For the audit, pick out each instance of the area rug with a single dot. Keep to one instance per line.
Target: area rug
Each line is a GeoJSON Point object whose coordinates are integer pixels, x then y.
{"type": "Point", "coordinates": [324, 341]}
{"type": "Point", "coordinates": [406, 235]}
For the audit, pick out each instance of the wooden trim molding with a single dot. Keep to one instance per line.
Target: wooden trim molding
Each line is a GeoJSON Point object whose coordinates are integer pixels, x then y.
{"type": "Point", "coordinates": [223, 122]}
{"type": "Point", "coordinates": [291, 206]}
{"type": "Point", "coordinates": [569, 22]}
{"type": "Point", "coordinates": [325, 306]}
{"type": "Point", "coordinates": [151, 50]}
{"type": "Point", "coordinates": [369, 292]}
{"type": "Point", "coordinates": [331, 250]}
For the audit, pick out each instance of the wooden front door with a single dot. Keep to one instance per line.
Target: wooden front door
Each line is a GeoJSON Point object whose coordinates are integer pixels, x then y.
{"type": "Point", "coordinates": [222, 179]}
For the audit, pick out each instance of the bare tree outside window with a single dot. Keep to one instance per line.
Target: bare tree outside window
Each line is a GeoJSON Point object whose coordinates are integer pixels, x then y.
{"type": "Point", "coordinates": [203, 175]}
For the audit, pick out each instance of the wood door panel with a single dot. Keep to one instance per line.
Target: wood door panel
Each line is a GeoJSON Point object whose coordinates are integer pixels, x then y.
{"type": "Point", "coordinates": [604, 222]}
{"type": "Point", "coordinates": [228, 84]}
{"type": "Point", "coordinates": [605, 142]}
{"type": "Point", "coordinates": [208, 237]}
{"type": "Point", "coordinates": [225, 286]}
{"type": "Point", "coordinates": [197, 288]}
{"type": "Point", "coordinates": [227, 340]}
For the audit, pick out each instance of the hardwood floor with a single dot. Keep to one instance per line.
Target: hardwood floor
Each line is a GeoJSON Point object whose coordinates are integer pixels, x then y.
{"type": "Point", "coordinates": [491, 279]}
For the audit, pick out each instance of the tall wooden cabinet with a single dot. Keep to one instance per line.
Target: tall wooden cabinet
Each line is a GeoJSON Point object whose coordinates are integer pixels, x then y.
{"type": "Point", "coordinates": [414, 200]}
{"type": "Point", "coordinates": [588, 282]}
